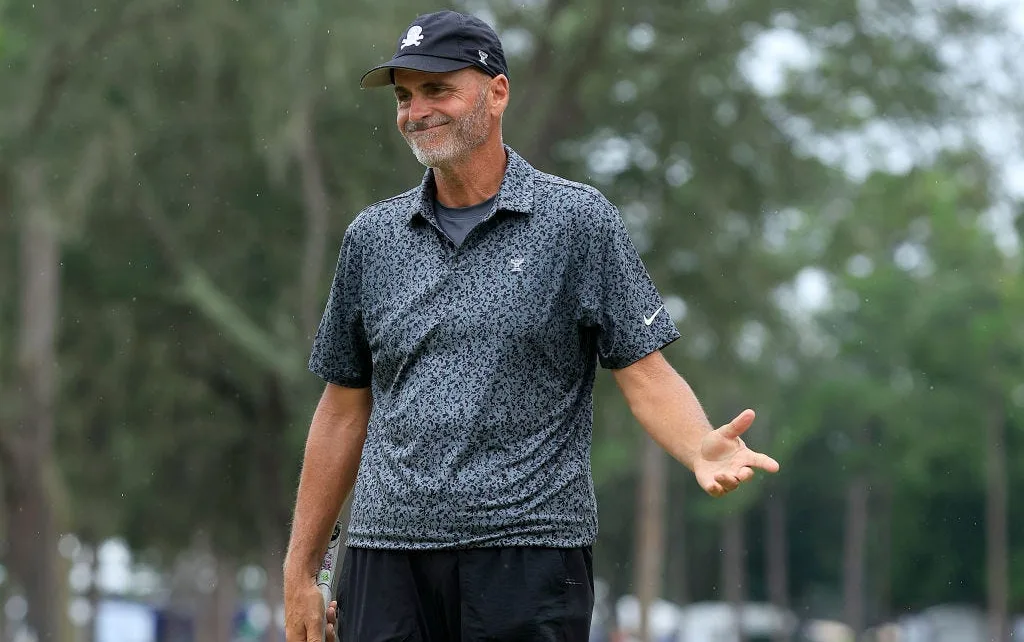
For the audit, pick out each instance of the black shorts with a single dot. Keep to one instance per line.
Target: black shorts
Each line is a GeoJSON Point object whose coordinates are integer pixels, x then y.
{"type": "Point", "coordinates": [497, 594]}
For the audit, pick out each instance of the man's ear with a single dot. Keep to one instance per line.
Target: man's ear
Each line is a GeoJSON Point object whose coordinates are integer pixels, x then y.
{"type": "Point", "coordinates": [499, 94]}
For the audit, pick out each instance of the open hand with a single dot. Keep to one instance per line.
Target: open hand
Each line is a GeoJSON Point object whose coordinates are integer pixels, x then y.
{"type": "Point", "coordinates": [724, 461]}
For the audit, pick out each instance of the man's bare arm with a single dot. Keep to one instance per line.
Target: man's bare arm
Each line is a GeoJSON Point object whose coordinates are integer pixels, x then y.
{"type": "Point", "coordinates": [333, 448]}
{"type": "Point", "coordinates": [665, 406]}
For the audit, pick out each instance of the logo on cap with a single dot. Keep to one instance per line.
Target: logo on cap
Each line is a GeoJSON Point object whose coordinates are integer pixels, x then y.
{"type": "Point", "coordinates": [483, 56]}
{"type": "Point", "coordinates": [414, 37]}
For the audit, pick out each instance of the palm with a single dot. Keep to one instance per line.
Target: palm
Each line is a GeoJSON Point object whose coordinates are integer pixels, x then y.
{"type": "Point", "coordinates": [725, 462]}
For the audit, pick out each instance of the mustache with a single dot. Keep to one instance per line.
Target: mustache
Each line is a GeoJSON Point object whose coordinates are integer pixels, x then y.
{"type": "Point", "coordinates": [426, 123]}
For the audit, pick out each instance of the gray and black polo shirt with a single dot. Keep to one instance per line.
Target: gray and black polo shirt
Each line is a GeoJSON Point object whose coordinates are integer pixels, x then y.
{"type": "Point", "coordinates": [481, 359]}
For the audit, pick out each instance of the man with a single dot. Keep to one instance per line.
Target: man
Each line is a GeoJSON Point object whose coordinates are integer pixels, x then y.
{"type": "Point", "coordinates": [459, 345]}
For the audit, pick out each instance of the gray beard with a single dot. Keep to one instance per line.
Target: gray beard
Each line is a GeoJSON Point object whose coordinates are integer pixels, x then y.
{"type": "Point", "coordinates": [440, 156]}
{"type": "Point", "coordinates": [465, 135]}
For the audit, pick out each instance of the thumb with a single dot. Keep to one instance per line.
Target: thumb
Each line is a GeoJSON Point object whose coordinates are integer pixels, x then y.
{"type": "Point", "coordinates": [739, 425]}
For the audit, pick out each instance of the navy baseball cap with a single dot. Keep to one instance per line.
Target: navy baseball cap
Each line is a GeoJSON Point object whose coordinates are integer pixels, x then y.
{"type": "Point", "coordinates": [441, 42]}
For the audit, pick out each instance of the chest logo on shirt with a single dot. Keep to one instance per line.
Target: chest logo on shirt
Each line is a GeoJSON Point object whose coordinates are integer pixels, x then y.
{"type": "Point", "coordinates": [516, 264]}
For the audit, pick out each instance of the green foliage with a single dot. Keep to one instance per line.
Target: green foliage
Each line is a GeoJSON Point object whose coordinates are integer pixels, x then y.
{"type": "Point", "coordinates": [186, 146]}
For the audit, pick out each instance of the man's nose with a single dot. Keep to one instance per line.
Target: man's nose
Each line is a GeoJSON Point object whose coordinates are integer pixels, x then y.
{"type": "Point", "coordinates": [418, 108]}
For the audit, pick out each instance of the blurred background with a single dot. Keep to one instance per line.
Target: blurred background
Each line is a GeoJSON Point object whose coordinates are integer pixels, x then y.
{"type": "Point", "coordinates": [827, 193]}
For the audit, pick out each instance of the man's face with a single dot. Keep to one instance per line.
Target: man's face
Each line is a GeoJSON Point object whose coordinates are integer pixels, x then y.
{"type": "Point", "coordinates": [445, 116]}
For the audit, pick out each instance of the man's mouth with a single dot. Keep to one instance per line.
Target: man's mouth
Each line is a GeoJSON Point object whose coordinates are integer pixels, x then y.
{"type": "Point", "coordinates": [411, 128]}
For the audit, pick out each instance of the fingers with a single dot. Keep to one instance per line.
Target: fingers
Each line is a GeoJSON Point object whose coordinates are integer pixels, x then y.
{"type": "Point", "coordinates": [332, 622]}
{"type": "Point", "coordinates": [727, 482]}
{"type": "Point", "coordinates": [739, 425]}
{"type": "Point", "coordinates": [732, 481]}
{"type": "Point", "coordinates": [765, 463]}
{"type": "Point", "coordinates": [714, 490]}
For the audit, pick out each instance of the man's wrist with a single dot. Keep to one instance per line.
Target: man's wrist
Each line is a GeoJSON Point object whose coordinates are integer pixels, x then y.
{"type": "Point", "coordinates": [299, 572]}
{"type": "Point", "coordinates": [691, 447]}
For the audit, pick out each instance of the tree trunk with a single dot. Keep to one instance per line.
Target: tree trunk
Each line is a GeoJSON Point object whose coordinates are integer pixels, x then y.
{"type": "Point", "coordinates": [94, 594]}
{"type": "Point", "coordinates": [225, 600]}
{"type": "Point", "coordinates": [883, 582]}
{"type": "Point", "coordinates": [273, 592]}
{"type": "Point", "coordinates": [205, 612]}
{"type": "Point", "coordinates": [551, 111]}
{"type": "Point", "coordinates": [3, 616]}
{"type": "Point", "coordinates": [997, 546]}
{"type": "Point", "coordinates": [26, 459]}
{"type": "Point", "coordinates": [854, 551]}
{"type": "Point", "coordinates": [776, 554]}
{"type": "Point", "coordinates": [317, 205]}
{"type": "Point", "coordinates": [274, 511]}
{"type": "Point", "coordinates": [734, 575]}
{"type": "Point", "coordinates": [218, 600]}
{"type": "Point", "coordinates": [677, 551]}
{"type": "Point", "coordinates": [650, 537]}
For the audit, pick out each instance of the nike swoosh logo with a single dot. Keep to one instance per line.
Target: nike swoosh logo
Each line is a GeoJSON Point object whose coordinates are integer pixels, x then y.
{"type": "Point", "coordinates": [649, 320]}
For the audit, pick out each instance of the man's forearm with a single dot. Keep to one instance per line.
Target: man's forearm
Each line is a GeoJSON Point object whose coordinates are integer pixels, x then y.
{"type": "Point", "coordinates": [331, 461]}
{"type": "Point", "coordinates": [665, 405]}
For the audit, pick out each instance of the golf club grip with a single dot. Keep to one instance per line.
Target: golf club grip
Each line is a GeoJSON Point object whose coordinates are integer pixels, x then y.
{"type": "Point", "coordinates": [328, 577]}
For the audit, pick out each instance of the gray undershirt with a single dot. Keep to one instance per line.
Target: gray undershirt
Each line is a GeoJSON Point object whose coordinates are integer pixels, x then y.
{"type": "Point", "coordinates": [458, 222]}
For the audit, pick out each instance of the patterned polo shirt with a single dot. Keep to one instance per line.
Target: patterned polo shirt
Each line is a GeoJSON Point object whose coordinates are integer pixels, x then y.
{"type": "Point", "coordinates": [481, 361]}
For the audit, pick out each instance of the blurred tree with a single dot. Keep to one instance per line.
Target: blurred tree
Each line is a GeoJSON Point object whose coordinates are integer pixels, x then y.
{"type": "Point", "coordinates": [31, 492]}
{"type": "Point", "coordinates": [924, 302]}
{"type": "Point", "coordinates": [661, 106]}
{"type": "Point", "coordinates": [203, 158]}
{"type": "Point", "coordinates": [43, 193]}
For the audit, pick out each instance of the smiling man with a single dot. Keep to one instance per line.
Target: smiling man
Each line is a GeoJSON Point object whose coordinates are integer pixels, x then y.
{"type": "Point", "coordinates": [459, 345]}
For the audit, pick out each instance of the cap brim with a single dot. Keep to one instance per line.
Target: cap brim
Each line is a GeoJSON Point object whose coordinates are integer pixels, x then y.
{"type": "Point", "coordinates": [380, 76]}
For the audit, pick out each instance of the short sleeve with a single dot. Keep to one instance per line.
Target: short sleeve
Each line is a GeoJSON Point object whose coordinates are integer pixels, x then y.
{"type": "Point", "coordinates": [341, 354]}
{"type": "Point", "coordinates": [618, 297]}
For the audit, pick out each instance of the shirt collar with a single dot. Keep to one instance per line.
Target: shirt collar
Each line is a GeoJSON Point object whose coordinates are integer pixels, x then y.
{"type": "Point", "coordinates": [514, 195]}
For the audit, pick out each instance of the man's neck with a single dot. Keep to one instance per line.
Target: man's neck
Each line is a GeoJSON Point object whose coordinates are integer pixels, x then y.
{"type": "Point", "coordinates": [473, 180]}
